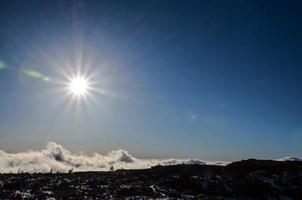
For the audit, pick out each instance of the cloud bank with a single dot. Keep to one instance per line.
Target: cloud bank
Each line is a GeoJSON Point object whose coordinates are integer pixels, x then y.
{"type": "Point", "coordinates": [57, 158]}
{"type": "Point", "coordinates": [289, 158]}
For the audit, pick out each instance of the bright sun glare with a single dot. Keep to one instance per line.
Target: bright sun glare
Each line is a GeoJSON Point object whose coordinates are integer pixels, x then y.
{"type": "Point", "coordinates": [78, 86]}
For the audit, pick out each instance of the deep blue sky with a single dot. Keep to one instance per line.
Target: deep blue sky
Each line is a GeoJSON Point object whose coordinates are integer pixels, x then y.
{"type": "Point", "coordinates": [216, 80]}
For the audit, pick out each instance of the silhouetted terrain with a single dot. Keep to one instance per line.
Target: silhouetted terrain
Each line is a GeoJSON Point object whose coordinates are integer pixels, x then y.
{"type": "Point", "coordinates": [248, 179]}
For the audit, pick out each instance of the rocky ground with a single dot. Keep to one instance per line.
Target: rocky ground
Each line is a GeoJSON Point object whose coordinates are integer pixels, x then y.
{"type": "Point", "coordinates": [249, 179]}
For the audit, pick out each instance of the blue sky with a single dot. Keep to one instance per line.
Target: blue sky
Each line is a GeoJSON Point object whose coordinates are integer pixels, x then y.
{"type": "Point", "coordinates": [216, 80]}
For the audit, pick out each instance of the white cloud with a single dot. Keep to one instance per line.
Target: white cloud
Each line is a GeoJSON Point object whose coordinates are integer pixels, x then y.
{"type": "Point", "coordinates": [289, 158]}
{"type": "Point", "coordinates": [58, 158]}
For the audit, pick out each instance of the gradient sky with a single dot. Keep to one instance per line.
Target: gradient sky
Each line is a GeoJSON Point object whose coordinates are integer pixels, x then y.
{"type": "Point", "coordinates": [215, 80]}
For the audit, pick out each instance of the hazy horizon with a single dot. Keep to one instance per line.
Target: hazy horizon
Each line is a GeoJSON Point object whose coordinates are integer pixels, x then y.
{"type": "Point", "coordinates": [55, 157]}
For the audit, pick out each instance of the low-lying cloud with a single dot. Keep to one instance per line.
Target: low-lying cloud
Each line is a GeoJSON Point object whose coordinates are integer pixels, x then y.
{"type": "Point", "coordinates": [289, 158]}
{"type": "Point", "coordinates": [57, 158]}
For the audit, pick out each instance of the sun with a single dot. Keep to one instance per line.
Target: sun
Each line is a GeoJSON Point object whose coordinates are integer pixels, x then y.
{"type": "Point", "coordinates": [78, 86]}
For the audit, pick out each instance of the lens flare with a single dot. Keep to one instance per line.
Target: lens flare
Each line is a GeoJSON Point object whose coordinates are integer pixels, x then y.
{"type": "Point", "coordinates": [36, 74]}
{"type": "Point", "coordinates": [2, 65]}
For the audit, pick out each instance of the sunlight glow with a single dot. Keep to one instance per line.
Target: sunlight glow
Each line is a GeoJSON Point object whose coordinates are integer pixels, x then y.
{"type": "Point", "coordinates": [78, 86]}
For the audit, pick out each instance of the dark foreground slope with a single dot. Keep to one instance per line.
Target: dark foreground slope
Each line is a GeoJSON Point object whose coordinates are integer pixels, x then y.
{"type": "Point", "coordinates": [249, 179]}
